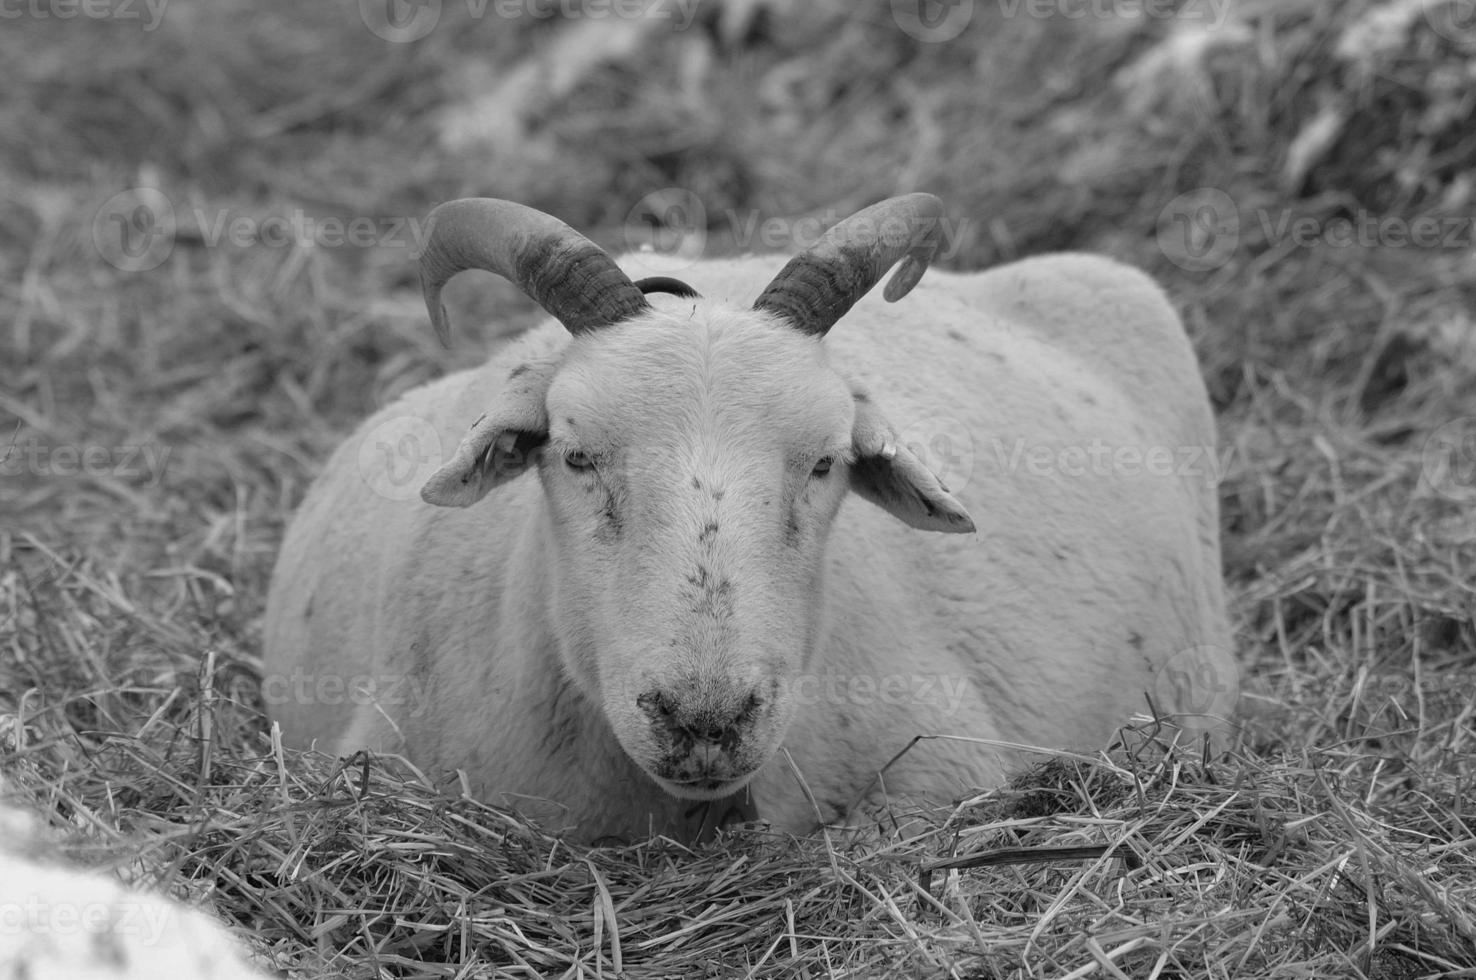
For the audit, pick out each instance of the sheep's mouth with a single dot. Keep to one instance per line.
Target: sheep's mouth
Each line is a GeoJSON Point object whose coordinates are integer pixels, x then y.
{"type": "Point", "coordinates": [703, 789]}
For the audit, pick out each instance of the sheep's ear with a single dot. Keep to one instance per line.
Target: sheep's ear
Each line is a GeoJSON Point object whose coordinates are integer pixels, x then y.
{"type": "Point", "coordinates": [499, 446]}
{"type": "Point", "coordinates": [892, 477]}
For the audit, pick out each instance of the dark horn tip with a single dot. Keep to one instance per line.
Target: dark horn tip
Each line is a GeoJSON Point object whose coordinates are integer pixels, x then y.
{"type": "Point", "coordinates": [666, 284]}
{"type": "Point", "coordinates": [908, 274]}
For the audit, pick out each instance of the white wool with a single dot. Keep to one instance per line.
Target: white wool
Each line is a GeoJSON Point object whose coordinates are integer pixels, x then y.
{"type": "Point", "coordinates": [63, 923]}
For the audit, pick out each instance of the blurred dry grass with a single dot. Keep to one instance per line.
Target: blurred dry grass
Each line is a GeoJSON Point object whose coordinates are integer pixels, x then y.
{"type": "Point", "coordinates": [1335, 842]}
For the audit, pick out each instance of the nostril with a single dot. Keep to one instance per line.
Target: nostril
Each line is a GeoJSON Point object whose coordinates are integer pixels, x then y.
{"type": "Point", "coordinates": [708, 724]}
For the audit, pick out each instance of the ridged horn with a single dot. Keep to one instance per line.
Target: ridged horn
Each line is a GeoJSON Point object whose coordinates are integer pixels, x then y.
{"type": "Point", "coordinates": [567, 274]}
{"type": "Point", "coordinates": [819, 285]}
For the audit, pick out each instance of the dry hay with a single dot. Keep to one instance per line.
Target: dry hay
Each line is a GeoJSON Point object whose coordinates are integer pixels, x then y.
{"type": "Point", "coordinates": [1178, 865]}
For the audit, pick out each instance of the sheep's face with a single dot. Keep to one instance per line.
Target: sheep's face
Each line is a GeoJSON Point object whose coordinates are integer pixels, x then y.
{"type": "Point", "coordinates": [692, 466]}
{"type": "Point", "coordinates": [692, 472]}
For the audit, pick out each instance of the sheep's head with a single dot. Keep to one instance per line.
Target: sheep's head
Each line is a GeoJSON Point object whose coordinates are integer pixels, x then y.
{"type": "Point", "coordinates": [692, 460]}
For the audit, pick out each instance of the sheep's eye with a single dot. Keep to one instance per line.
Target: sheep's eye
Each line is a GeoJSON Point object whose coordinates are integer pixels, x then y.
{"type": "Point", "coordinates": [823, 465]}
{"type": "Point", "coordinates": [578, 459]}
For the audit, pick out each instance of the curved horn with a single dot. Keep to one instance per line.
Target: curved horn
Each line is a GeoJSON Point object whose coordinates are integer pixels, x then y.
{"type": "Point", "coordinates": [567, 274]}
{"type": "Point", "coordinates": [819, 285]}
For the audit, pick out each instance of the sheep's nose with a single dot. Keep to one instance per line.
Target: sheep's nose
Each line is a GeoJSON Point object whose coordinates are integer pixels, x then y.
{"type": "Point", "coordinates": [703, 725]}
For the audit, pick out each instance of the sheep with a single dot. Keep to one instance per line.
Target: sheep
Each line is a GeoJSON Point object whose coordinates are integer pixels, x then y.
{"type": "Point", "coordinates": [637, 598]}
{"type": "Point", "coordinates": [62, 923]}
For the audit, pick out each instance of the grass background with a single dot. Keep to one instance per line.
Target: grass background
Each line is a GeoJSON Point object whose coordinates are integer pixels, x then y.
{"type": "Point", "coordinates": [1334, 841]}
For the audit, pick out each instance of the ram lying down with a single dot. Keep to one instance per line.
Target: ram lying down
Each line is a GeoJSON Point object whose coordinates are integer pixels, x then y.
{"type": "Point", "coordinates": [682, 565]}
{"type": "Point", "coordinates": [59, 922]}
